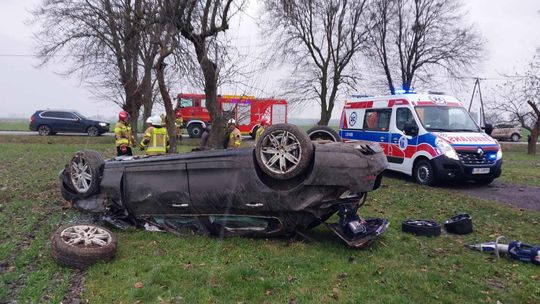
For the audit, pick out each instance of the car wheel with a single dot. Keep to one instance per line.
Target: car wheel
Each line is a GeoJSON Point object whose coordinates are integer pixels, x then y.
{"type": "Point", "coordinates": [81, 245]}
{"type": "Point", "coordinates": [424, 173]}
{"type": "Point", "coordinates": [283, 151]}
{"type": "Point", "coordinates": [44, 130]}
{"type": "Point", "coordinates": [92, 131]}
{"type": "Point", "coordinates": [323, 133]}
{"type": "Point", "coordinates": [515, 137]}
{"type": "Point", "coordinates": [85, 172]}
{"type": "Point", "coordinates": [195, 130]}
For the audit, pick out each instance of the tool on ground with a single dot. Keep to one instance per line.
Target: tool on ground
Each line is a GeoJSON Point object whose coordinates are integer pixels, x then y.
{"type": "Point", "coordinates": [515, 249]}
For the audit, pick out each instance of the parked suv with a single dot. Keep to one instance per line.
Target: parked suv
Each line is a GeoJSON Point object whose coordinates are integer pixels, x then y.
{"type": "Point", "coordinates": [49, 122]}
{"type": "Point", "coordinates": [506, 132]}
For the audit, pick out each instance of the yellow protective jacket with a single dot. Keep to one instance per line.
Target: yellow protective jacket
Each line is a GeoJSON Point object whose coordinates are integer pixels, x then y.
{"type": "Point", "coordinates": [259, 132]}
{"type": "Point", "coordinates": [155, 141]}
{"type": "Point", "coordinates": [123, 135]}
{"type": "Point", "coordinates": [235, 139]}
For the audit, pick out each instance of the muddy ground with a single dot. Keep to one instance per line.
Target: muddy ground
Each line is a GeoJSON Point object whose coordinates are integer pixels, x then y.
{"type": "Point", "coordinates": [516, 195]}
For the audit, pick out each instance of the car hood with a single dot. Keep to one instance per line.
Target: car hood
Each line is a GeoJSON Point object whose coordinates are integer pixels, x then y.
{"type": "Point", "coordinates": [467, 139]}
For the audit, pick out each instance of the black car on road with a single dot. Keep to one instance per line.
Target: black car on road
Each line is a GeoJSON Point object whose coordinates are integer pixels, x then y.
{"type": "Point", "coordinates": [50, 122]}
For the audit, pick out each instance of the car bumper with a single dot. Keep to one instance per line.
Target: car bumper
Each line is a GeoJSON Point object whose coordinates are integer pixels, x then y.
{"type": "Point", "coordinates": [449, 169]}
{"type": "Point", "coordinates": [103, 129]}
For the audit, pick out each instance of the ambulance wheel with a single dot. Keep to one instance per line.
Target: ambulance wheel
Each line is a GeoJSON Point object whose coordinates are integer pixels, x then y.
{"type": "Point", "coordinates": [195, 130]}
{"type": "Point", "coordinates": [84, 171]}
{"type": "Point", "coordinates": [424, 173]}
{"type": "Point", "coordinates": [323, 133]}
{"type": "Point", "coordinates": [284, 151]}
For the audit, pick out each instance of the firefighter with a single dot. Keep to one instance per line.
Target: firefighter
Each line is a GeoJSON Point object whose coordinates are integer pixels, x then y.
{"type": "Point", "coordinates": [260, 129]}
{"type": "Point", "coordinates": [149, 122]}
{"type": "Point", "coordinates": [179, 121]}
{"type": "Point", "coordinates": [122, 133]}
{"type": "Point", "coordinates": [233, 136]}
{"type": "Point", "coordinates": [155, 139]}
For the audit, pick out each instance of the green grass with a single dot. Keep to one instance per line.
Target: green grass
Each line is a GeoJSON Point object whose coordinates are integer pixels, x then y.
{"type": "Point", "coordinates": [8, 124]}
{"type": "Point", "coordinates": [399, 268]}
{"type": "Point", "coordinates": [519, 167]}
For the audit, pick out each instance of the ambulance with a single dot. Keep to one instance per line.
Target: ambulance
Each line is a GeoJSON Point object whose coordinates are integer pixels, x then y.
{"type": "Point", "coordinates": [431, 137]}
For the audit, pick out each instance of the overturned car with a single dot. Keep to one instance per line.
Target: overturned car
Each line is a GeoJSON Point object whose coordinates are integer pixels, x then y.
{"type": "Point", "coordinates": [285, 184]}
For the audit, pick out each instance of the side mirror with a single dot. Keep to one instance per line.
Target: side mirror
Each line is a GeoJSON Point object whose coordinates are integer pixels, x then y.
{"type": "Point", "coordinates": [410, 129]}
{"type": "Point", "coordinates": [488, 129]}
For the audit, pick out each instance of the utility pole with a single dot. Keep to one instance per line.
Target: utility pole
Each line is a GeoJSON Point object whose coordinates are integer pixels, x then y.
{"type": "Point", "coordinates": [477, 85]}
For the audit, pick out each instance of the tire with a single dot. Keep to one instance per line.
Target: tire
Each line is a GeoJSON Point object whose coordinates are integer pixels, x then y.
{"type": "Point", "coordinates": [424, 173]}
{"type": "Point", "coordinates": [92, 131]}
{"type": "Point", "coordinates": [515, 137]}
{"type": "Point", "coordinates": [84, 171]}
{"type": "Point", "coordinates": [323, 133]}
{"type": "Point", "coordinates": [91, 244]}
{"type": "Point", "coordinates": [253, 134]}
{"type": "Point", "coordinates": [421, 227]}
{"type": "Point", "coordinates": [195, 130]}
{"type": "Point", "coordinates": [45, 130]}
{"type": "Point", "coordinates": [284, 151]}
{"type": "Point", "coordinates": [459, 224]}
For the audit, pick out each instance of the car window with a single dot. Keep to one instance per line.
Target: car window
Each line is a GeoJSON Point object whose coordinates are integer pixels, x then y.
{"type": "Point", "coordinates": [403, 116]}
{"type": "Point", "coordinates": [377, 120]}
{"type": "Point", "coordinates": [58, 114]}
{"type": "Point", "coordinates": [186, 102]}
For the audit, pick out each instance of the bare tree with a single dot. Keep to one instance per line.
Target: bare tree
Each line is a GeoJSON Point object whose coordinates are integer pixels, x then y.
{"type": "Point", "coordinates": [514, 105]}
{"type": "Point", "coordinates": [413, 38]}
{"type": "Point", "coordinates": [320, 38]}
{"type": "Point", "coordinates": [200, 22]}
{"type": "Point", "coordinates": [104, 44]}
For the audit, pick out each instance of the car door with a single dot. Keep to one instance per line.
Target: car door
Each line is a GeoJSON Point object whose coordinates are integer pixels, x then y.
{"type": "Point", "coordinates": [157, 187]}
{"type": "Point", "coordinates": [72, 122]}
{"type": "Point", "coordinates": [56, 120]}
{"type": "Point", "coordinates": [223, 182]}
{"type": "Point", "coordinates": [402, 146]}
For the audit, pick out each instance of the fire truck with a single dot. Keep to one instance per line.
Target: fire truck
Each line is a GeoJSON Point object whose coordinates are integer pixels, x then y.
{"type": "Point", "coordinates": [246, 110]}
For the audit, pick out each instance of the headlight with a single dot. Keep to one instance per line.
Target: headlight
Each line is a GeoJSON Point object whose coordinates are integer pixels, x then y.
{"type": "Point", "coordinates": [446, 149]}
{"type": "Point", "coordinates": [103, 124]}
{"type": "Point", "coordinates": [499, 153]}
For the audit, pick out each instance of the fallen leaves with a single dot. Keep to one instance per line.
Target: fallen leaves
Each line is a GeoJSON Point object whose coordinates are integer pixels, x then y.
{"type": "Point", "coordinates": [138, 285]}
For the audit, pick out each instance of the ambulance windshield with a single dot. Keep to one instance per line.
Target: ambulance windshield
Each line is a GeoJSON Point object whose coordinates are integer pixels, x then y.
{"type": "Point", "coordinates": [446, 119]}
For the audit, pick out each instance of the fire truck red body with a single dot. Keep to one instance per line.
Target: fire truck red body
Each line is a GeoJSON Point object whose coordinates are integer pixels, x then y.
{"type": "Point", "coordinates": [246, 110]}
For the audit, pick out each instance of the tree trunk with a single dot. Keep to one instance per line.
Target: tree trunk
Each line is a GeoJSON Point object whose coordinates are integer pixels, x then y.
{"type": "Point", "coordinates": [171, 129]}
{"type": "Point", "coordinates": [209, 69]}
{"type": "Point", "coordinates": [531, 146]}
{"type": "Point", "coordinates": [147, 98]}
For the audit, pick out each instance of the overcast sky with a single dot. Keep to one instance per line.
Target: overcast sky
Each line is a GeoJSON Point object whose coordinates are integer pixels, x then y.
{"type": "Point", "coordinates": [510, 27]}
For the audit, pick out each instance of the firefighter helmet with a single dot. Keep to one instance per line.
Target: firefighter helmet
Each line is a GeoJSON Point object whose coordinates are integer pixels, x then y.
{"type": "Point", "coordinates": [149, 120]}
{"type": "Point", "coordinates": [156, 120]}
{"type": "Point", "coordinates": [264, 122]}
{"type": "Point", "coordinates": [123, 116]}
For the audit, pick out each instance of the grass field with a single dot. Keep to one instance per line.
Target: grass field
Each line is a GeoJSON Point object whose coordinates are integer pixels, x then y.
{"type": "Point", "coordinates": [400, 268]}
{"type": "Point", "coordinates": [7, 124]}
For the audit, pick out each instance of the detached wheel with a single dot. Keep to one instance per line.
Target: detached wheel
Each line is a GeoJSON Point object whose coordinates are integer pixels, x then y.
{"type": "Point", "coordinates": [421, 227]}
{"type": "Point", "coordinates": [85, 170]}
{"type": "Point", "coordinates": [195, 130]}
{"type": "Point", "coordinates": [283, 151]}
{"type": "Point", "coordinates": [323, 133]}
{"type": "Point", "coordinates": [424, 173]}
{"type": "Point", "coordinates": [81, 245]}
{"type": "Point", "coordinates": [92, 131]}
{"type": "Point", "coordinates": [44, 130]}
{"type": "Point", "coordinates": [515, 137]}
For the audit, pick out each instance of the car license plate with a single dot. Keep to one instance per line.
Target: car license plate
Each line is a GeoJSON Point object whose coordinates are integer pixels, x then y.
{"type": "Point", "coordinates": [480, 170]}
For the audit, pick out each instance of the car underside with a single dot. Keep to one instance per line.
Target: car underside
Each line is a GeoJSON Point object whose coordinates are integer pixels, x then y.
{"type": "Point", "coordinates": [287, 184]}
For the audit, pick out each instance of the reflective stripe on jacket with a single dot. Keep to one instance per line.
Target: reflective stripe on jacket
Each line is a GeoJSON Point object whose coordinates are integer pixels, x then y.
{"type": "Point", "coordinates": [122, 134]}
{"type": "Point", "coordinates": [235, 139]}
{"type": "Point", "coordinates": [155, 141]}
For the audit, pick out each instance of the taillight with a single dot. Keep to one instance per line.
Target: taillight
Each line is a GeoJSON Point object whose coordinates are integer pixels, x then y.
{"type": "Point", "coordinates": [32, 118]}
